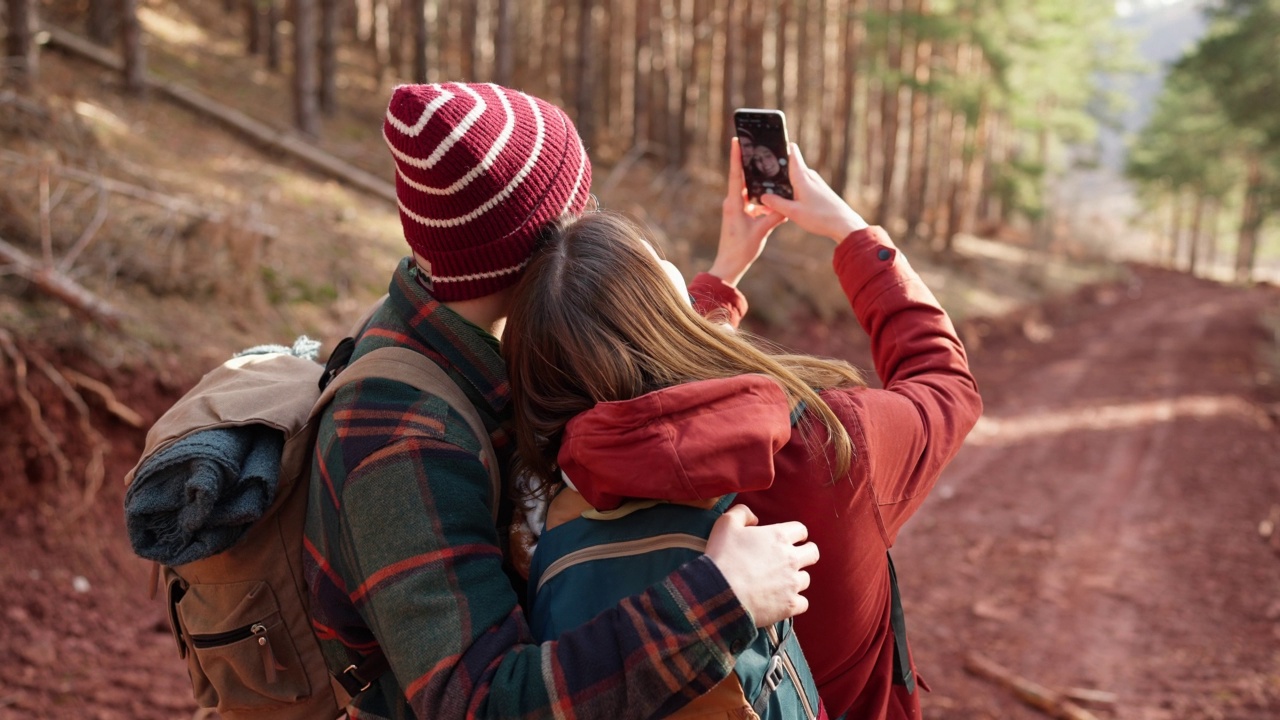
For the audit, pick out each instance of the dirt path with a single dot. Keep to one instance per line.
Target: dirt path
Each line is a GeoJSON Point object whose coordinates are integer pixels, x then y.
{"type": "Point", "coordinates": [1099, 530]}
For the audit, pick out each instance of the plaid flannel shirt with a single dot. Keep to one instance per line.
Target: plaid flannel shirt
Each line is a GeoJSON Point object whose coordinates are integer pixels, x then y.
{"type": "Point", "coordinates": [401, 552]}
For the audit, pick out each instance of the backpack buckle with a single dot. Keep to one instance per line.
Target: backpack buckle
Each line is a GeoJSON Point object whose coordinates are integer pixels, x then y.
{"type": "Point", "coordinates": [774, 676]}
{"type": "Point", "coordinates": [350, 673]}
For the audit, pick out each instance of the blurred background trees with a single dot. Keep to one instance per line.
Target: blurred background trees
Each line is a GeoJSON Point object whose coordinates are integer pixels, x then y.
{"type": "Point", "coordinates": [1212, 147]}
{"type": "Point", "coordinates": [934, 117]}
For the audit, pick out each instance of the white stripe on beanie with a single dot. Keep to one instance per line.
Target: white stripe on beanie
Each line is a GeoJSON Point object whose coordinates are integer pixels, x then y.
{"type": "Point", "coordinates": [483, 275]}
{"type": "Point", "coordinates": [503, 194]}
{"type": "Point", "coordinates": [582, 167]}
{"type": "Point", "coordinates": [458, 132]}
{"type": "Point", "coordinates": [487, 162]}
{"type": "Point", "coordinates": [427, 112]}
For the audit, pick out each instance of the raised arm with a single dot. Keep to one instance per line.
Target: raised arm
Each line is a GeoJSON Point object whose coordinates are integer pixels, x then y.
{"type": "Point", "coordinates": [930, 400]}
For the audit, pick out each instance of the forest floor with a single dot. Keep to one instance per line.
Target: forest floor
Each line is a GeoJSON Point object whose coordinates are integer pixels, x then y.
{"type": "Point", "coordinates": [1100, 530]}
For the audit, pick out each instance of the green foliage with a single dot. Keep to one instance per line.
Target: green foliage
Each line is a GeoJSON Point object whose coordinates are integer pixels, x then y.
{"type": "Point", "coordinates": [1189, 141]}
{"type": "Point", "coordinates": [1239, 60]}
{"type": "Point", "coordinates": [1216, 127]}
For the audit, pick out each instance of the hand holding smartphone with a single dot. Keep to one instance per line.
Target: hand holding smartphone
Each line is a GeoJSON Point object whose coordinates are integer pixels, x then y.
{"type": "Point", "coordinates": [762, 136]}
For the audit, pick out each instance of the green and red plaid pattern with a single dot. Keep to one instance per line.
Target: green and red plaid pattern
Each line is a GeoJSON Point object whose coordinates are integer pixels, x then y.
{"type": "Point", "coordinates": [402, 552]}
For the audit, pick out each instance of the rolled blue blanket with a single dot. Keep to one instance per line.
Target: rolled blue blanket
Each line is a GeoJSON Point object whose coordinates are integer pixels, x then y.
{"type": "Point", "coordinates": [197, 497]}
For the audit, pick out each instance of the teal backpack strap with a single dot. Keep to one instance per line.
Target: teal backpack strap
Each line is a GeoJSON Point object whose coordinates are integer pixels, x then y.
{"type": "Point", "coordinates": [901, 656]}
{"type": "Point", "coordinates": [720, 507]}
{"type": "Point", "coordinates": [786, 666]}
{"type": "Point", "coordinates": [775, 674]}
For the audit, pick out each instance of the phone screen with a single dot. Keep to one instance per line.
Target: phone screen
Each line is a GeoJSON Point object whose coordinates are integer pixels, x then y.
{"type": "Point", "coordinates": [762, 136]}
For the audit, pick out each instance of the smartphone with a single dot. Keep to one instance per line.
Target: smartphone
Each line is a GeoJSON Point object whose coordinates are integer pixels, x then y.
{"type": "Point", "coordinates": [762, 137]}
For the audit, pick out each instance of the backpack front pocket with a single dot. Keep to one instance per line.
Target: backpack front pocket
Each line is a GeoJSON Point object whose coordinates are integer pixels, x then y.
{"type": "Point", "coordinates": [240, 654]}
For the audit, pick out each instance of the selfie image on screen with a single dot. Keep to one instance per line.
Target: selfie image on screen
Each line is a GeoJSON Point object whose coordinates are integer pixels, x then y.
{"type": "Point", "coordinates": [763, 141]}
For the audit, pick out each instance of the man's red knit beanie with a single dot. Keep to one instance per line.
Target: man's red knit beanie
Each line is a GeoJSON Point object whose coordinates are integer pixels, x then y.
{"type": "Point", "coordinates": [480, 170]}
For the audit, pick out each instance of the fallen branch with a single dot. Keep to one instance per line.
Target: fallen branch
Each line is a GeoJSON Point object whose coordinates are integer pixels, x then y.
{"type": "Point", "coordinates": [137, 192]}
{"type": "Point", "coordinates": [60, 461]}
{"type": "Point", "coordinates": [125, 413]}
{"type": "Point", "coordinates": [286, 142]}
{"type": "Point", "coordinates": [95, 469]}
{"type": "Point", "coordinates": [49, 281]}
{"type": "Point", "coordinates": [1052, 703]}
{"type": "Point", "coordinates": [1091, 697]}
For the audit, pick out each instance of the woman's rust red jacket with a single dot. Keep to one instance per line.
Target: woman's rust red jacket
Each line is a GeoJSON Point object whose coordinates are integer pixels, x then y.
{"type": "Point", "coordinates": [705, 439]}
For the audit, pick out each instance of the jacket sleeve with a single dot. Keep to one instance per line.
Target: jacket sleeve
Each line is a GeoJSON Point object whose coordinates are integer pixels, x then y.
{"type": "Point", "coordinates": [715, 300]}
{"type": "Point", "coordinates": [425, 573]}
{"type": "Point", "coordinates": [907, 432]}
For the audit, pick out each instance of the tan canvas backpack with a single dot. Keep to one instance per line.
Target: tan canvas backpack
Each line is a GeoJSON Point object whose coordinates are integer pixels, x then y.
{"type": "Point", "coordinates": [240, 617]}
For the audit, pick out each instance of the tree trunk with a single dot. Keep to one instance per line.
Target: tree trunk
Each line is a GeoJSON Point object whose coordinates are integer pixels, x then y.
{"type": "Point", "coordinates": [23, 57]}
{"type": "Point", "coordinates": [976, 168]}
{"type": "Point", "coordinates": [1175, 231]}
{"type": "Point", "coordinates": [643, 72]}
{"type": "Point", "coordinates": [807, 45]}
{"type": "Point", "coordinates": [418, 20]}
{"type": "Point", "coordinates": [381, 37]}
{"type": "Point", "coordinates": [275, 49]}
{"type": "Point", "coordinates": [586, 90]}
{"type": "Point", "coordinates": [1196, 239]}
{"type": "Point", "coordinates": [781, 29]}
{"type": "Point", "coordinates": [955, 177]}
{"type": "Point", "coordinates": [1211, 237]}
{"type": "Point", "coordinates": [470, 48]}
{"type": "Point", "coordinates": [364, 20]}
{"type": "Point", "coordinates": [753, 53]}
{"type": "Point", "coordinates": [504, 52]}
{"type": "Point", "coordinates": [254, 28]}
{"type": "Point", "coordinates": [553, 20]}
{"type": "Point", "coordinates": [732, 89]}
{"type": "Point", "coordinates": [1251, 218]}
{"type": "Point", "coordinates": [329, 23]}
{"type": "Point", "coordinates": [134, 54]}
{"type": "Point", "coordinates": [401, 33]}
{"type": "Point", "coordinates": [673, 80]}
{"type": "Point", "coordinates": [890, 101]}
{"type": "Point", "coordinates": [693, 17]}
{"type": "Point", "coordinates": [918, 137]}
{"type": "Point", "coordinates": [826, 79]}
{"type": "Point", "coordinates": [304, 67]}
{"type": "Point", "coordinates": [102, 22]}
{"type": "Point", "coordinates": [851, 47]}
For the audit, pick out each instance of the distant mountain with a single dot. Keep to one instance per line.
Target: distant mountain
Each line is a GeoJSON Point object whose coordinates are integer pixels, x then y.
{"type": "Point", "coordinates": [1164, 32]}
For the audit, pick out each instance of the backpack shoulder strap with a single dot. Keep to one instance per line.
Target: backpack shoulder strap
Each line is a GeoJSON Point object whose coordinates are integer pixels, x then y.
{"type": "Point", "coordinates": [412, 368]}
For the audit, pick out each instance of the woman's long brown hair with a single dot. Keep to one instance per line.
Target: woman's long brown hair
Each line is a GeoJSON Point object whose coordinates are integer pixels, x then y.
{"type": "Point", "coordinates": [595, 319]}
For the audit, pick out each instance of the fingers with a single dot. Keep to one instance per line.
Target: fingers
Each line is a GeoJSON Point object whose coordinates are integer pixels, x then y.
{"type": "Point", "coordinates": [770, 220]}
{"type": "Point", "coordinates": [792, 532]}
{"type": "Point", "coordinates": [797, 156]}
{"type": "Point", "coordinates": [798, 605]}
{"type": "Point", "coordinates": [806, 555]}
{"type": "Point", "coordinates": [741, 516]}
{"type": "Point", "coordinates": [779, 204]}
{"type": "Point", "coordinates": [737, 182]}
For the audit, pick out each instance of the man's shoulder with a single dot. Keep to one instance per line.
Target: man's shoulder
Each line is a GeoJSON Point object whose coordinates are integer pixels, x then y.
{"type": "Point", "coordinates": [394, 410]}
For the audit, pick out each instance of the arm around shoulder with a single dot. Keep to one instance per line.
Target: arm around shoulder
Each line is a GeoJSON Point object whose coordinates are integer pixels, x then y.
{"type": "Point", "coordinates": [431, 588]}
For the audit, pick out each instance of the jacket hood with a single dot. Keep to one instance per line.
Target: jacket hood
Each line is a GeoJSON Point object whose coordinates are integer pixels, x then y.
{"type": "Point", "coordinates": [695, 441]}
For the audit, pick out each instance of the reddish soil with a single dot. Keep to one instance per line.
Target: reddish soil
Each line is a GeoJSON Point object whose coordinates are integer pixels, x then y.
{"type": "Point", "coordinates": [1100, 530]}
